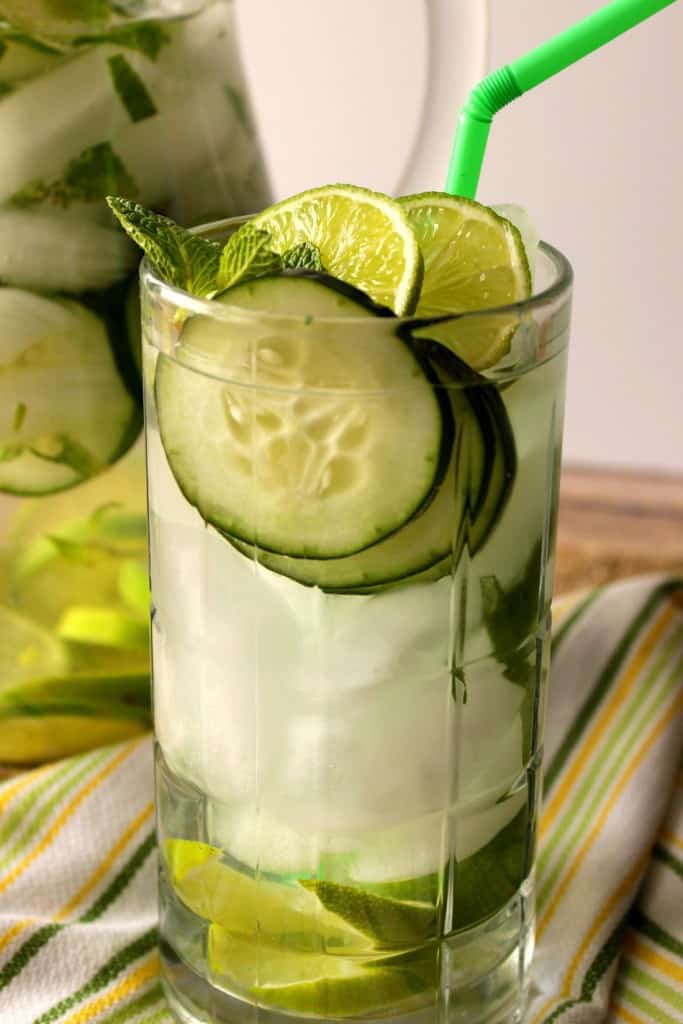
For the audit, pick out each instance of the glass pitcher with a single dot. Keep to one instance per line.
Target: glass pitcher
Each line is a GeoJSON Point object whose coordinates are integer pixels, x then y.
{"type": "Point", "coordinates": [145, 99]}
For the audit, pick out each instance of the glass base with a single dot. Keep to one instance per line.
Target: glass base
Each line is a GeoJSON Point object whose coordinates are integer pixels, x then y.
{"type": "Point", "coordinates": [484, 980]}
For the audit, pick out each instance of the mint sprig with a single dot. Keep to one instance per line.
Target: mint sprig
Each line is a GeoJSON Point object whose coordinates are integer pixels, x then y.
{"type": "Point", "coordinates": [304, 256]}
{"type": "Point", "coordinates": [182, 259]}
{"type": "Point", "coordinates": [199, 265]}
{"type": "Point", "coordinates": [246, 254]}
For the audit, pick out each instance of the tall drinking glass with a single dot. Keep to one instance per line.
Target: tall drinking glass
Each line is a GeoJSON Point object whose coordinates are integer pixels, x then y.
{"type": "Point", "coordinates": [349, 749]}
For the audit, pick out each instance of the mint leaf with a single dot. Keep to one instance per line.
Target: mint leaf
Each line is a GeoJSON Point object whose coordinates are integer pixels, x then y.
{"type": "Point", "coordinates": [19, 416]}
{"type": "Point", "coordinates": [511, 616]}
{"type": "Point", "coordinates": [96, 172]}
{"type": "Point", "coordinates": [486, 880]}
{"type": "Point", "coordinates": [246, 254]}
{"type": "Point", "coordinates": [179, 257]}
{"type": "Point", "coordinates": [147, 38]}
{"type": "Point", "coordinates": [131, 90]}
{"type": "Point", "coordinates": [305, 256]}
{"type": "Point", "coordinates": [91, 175]}
{"type": "Point", "coordinates": [511, 619]}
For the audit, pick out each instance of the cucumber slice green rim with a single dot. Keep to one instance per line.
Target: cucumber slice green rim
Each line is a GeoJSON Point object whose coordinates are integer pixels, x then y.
{"type": "Point", "coordinates": [339, 440]}
{"type": "Point", "coordinates": [464, 510]}
{"type": "Point", "coordinates": [489, 454]}
{"type": "Point", "coordinates": [364, 238]}
{"type": "Point", "coordinates": [474, 260]}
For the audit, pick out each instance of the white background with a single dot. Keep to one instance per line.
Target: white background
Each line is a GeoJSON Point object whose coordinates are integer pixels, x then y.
{"type": "Point", "coordinates": [596, 155]}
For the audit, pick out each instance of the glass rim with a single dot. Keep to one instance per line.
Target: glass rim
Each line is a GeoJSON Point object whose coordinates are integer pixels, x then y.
{"type": "Point", "coordinates": [561, 285]}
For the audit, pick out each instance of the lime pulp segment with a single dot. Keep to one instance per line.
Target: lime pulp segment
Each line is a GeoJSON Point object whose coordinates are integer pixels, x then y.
{"type": "Point", "coordinates": [364, 238]}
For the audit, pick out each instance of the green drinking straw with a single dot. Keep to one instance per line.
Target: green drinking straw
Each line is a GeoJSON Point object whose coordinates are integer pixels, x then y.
{"type": "Point", "coordinates": [507, 83]}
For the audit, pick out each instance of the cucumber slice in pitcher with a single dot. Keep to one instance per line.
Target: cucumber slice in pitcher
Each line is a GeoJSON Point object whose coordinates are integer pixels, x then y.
{"type": "Point", "coordinates": [327, 446]}
{"type": "Point", "coordinates": [53, 251]}
{"type": "Point", "coordinates": [65, 413]}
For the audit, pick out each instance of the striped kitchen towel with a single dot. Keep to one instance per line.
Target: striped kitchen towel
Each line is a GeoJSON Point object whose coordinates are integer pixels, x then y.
{"type": "Point", "coordinates": [78, 862]}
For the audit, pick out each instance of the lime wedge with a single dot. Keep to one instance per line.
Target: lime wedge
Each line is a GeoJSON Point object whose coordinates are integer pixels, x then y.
{"type": "Point", "coordinates": [56, 713]}
{"type": "Point", "coordinates": [27, 650]}
{"type": "Point", "coordinates": [29, 738]}
{"type": "Point", "coordinates": [364, 238]}
{"type": "Point", "coordinates": [305, 983]}
{"type": "Point", "coordinates": [389, 922]}
{"type": "Point", "coordinates": [474, 259]}
{"type": "Point", "coordinates": [249, 906]}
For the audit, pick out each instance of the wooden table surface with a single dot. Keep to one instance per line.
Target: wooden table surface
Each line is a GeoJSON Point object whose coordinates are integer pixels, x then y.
{"type": "Point", "coordinates": [614, 524]}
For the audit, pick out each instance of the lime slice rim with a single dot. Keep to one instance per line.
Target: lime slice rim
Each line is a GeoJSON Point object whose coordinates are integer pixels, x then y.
{"type": "Point", "coordinates": [219, 229]}
{"type": "Point", "coordinates": [513, 239]}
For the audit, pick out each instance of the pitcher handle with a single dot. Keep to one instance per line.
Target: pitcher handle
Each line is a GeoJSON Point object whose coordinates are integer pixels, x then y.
{"type": "Point", "coordinates": [451, 73]}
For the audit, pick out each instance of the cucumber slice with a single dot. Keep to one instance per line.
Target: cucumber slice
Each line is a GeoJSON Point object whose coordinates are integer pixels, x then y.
{"type": "Point", "coordinates": [65, 412]}
{"type": "Point", "coordinates": [321, 472]}
{"type": "Point", "coordinates": [487, 457]}
{"type": "Point", "coordinates": [52, 251]}
{"type": "Point", "coordinates": [464, 510]}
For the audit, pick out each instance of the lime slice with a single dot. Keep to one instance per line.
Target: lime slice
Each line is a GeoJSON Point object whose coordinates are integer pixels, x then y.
{"type": "Point", "coordinates": [474, 259]}
{"type": "Point", "coordinates": [27, 650]}
{"type": "Point", "coordinates": [305, 983]}
{"type": "Point", "coordinates": [107, 627]}
{"type": "Point", "coordinates": [249, 906]}
{"type": "Point", "coordinates": [364, 238]}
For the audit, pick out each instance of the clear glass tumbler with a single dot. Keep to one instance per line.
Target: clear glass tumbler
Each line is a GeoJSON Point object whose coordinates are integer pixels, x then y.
{"type": "Point", "coordinates": [349, 749]}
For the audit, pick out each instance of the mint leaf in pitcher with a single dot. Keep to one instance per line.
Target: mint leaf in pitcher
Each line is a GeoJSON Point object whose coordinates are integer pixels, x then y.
{"type": "Point", "coordinates": [182, 259]}
{"type": "Point", "coordinates": [147, 37]}
{"type": "Point", "coordinates": [96, 171]}
{"type": "Point", "coordinates": [131, 89]}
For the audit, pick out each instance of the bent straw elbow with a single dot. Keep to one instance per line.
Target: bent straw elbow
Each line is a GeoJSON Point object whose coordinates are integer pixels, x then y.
{"type": "Point", "coordinates": [486, 99]}
{"type": "Point", "coordinates": [492, 94]}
